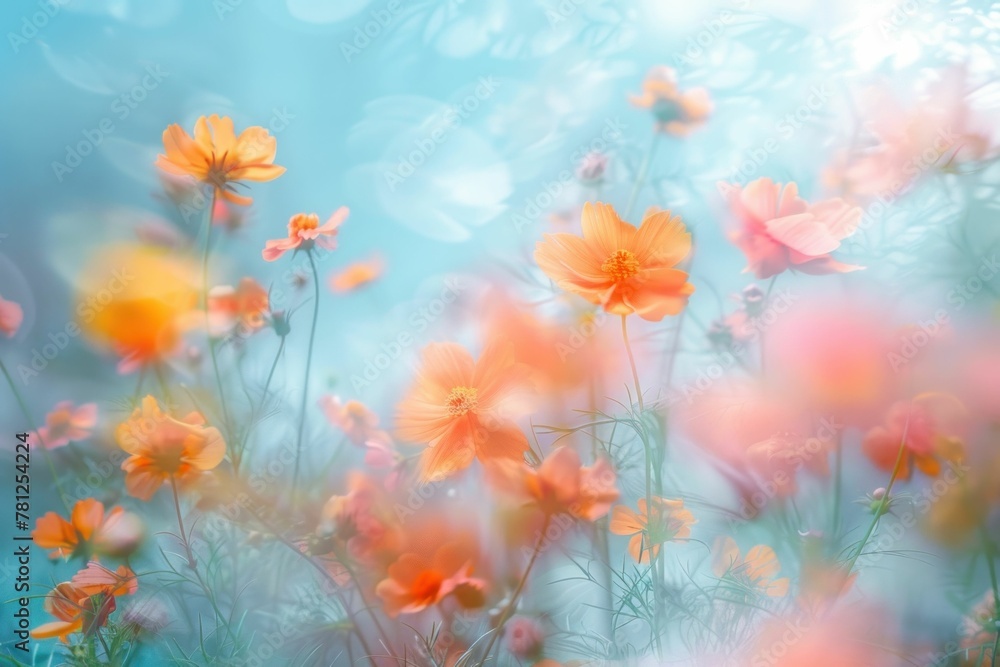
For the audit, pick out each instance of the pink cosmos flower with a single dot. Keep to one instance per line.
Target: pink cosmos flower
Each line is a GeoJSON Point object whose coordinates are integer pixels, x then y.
{"type": "Point", "coordinates": [352, 417]}
{"type": "Point", "coordinates": [11, 317]}
{"type": "Point", "coordinates": [779, 231]}
{"type": "Point", "coordinates": [304, 232]}
{"type": "Point", "coordinates": [66, 424]}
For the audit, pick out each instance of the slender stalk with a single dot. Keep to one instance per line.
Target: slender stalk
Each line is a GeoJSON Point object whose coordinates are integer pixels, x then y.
{"type": "Point", "coordinates": [274, 365]}
{"type": "Point", "coordinates": [640, 178]}
{"type": "Point", "coordinates": [767, 296]}
{"type": "Point", "coordinates": [601, 525]}
{"type": "Point", "coordinates": [305, 382]}
{"type": "Point", "coordinates": [838, 477]}
{"type": "Point", "coordinates": [31, 424]}
{"type": "Point", "coordinates": [882, 504]}
{"type": "Point", "coordinates": [193, 564]}
{"type": "Point", "coordinates": [631, 361]}
{"type": "Point", "coordinates": [988, 552]}
{"type": "Point", "coordinates": [204, 303]}
{"type": "Point", "coordinates": [509, 609]}
{"type": "Point", "coordinates": [239, 454]}
{"type": "Point", "coordinates": [161, 380]}
{"type": "Point", "coordinates": [322, 570]}
{"type": "Point", "coordinates": [180, 524]}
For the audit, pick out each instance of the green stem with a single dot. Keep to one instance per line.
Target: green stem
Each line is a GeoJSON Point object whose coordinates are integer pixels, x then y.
{"type": "Point", "coordinates": [204, 303]}
{"type": "Point", "coordinates": [323, 571]}
{"type": "Point", "coordinates": [238, 456]}
{"type": "Point", "coordinates": [640, 178]}
{"type": "Point", "coordinates": [193, 564]}
{"type": "Point", "coordinates": [767, 295]}
{"type": "Point", "coordinates": [631, 361]}
{"type": "Point", "coordinates": [305, 382]}
{"type": "Point", "coordinates": [882, 504]}
{"type": "Point", "coordinates": [838, 478]}
{"type": "Point", "coordinates": [180, 523]}
{"type": "Point", "coordinates": [31, 425]}
{"type": "Point", "coordinates": [988, 552]}
{"type": "Point", "coordinates": [509, 609]}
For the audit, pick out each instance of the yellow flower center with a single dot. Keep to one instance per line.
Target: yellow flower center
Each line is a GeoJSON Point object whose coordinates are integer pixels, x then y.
{"type": "Point", "coordinates": [621, 265]}
{"type": "Point", "coordinates": [461, 401]}
{"type": "Point", "coordinates": [302, 222]}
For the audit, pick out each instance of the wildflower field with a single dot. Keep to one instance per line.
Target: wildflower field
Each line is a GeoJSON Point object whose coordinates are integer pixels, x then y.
{"type": "Point", "coordinates": [500, 333]}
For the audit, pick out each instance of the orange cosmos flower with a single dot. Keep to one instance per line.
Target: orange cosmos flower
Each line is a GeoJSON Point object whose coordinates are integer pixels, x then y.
{"type": "Point", "coordinates": [927, 430]}
{"type": "Point", "coordinates": [217, 157]}
{"type": "Point", "coordinates": [245, 306]}
{"type": "Point", "coordinates": [90, 531]}
{"type": "Point", "coordinates": [11, 316]}
{"type": "Point", "coordinates": [462, 409]}
{"type": "Point", "coordinates": [357, 275]}
{"type": "Point", "coordinates": [417, 581]}
{"type": "Point", "coordinates": [304, 232]}
{"type": "Point", "coordinates": [560, 485]}
{"type": "Point", "coordinates": [164, 448]}
{"type": "Point", "coordinates": [66, 424]}
{"type": "Point", "coordinates": [667, 522]}
{"type": "Point", "coordinates": [756, 569]}
{"type": "Point", "coordinates": [779, 231]}
{"type": "Point", "coordinates": [624, 269]}
{"type": "Point", "coordinates": [84, 604]}
{"type": "Point", "coordinates": [677, 113]}
{"type": "Point", "coordinates": [134, 299]}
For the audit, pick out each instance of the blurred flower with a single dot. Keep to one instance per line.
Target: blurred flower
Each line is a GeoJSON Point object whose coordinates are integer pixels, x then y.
{"type": "Point", "coordinates": [830, 357]}
{"type": "Point", "coordinates": [925, 429]}
{"type": "Point", "coordinates": [417, 581]}
{"type": "Point", "coordinates": [524, 637]}
{"type": "Point", "coordinates": [677, 113]}
{"type": "Point", "coordinates": [228, 217]}
{"type": "Point", "coordinates": [146, 616]}
{"type": "Point", "coordinates": [304, 232]}
{"type": "Point", "coordinates": [363, 519]}
{"type": "Point", "coordinates": [67, 424]}
{"type": "Point", "coordinates": [163, 448]}
{"type": "Point", "coordinates": [822, 579]}
{"type": "Point", "coordinates": [557, 355]}
{"type": "Point", "coordinates": [218, 158]}
{"type": "Point", "coordinates": [462, 409]}
{"type": "Point", "coordinates": [352, 417]}
{"type": "Point", "coordinates": [90, 531]}
{"type": "Point", "coordinates": [84, 604]}
{"type": "Point", "coordinates": [668, 521]}
{"type": "Point", "coordinates": [592, 168]}
{"type": "Point", "coordinates": [245, 306]}
{"type": "Point", "coordinates": [779, 231]}
{"type": "Point", "coordinates": [357, 275]}
{"type": "Point", "coordinates": [849, 637]}
{"type": "Point", "coordinates": [560, 485]}
{"type": "Point", "coordinates": [624, 269]}
{"type": "Point", "coordinates": [756, 569]}
{"type": "Point", "coordinates": [937, 130]}
{"type": "Point", "coordinates": [778, 459]}
{"type": "Point", "coordinates": [11, 317]}
{"type": "Point", "coordinates": [135, 299]}
{"type": "Point", "coordinates": [95, 579]}
{"type": "Point", "coordinates": [979, 631]}
{"type": "Point", "coordinates": [956, 514]}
